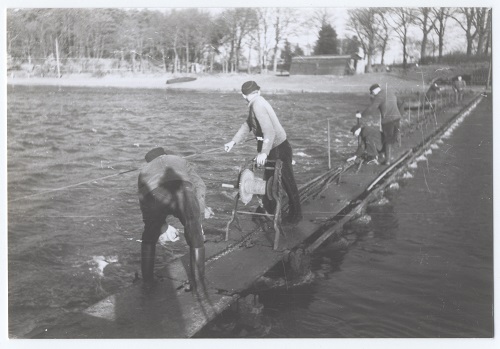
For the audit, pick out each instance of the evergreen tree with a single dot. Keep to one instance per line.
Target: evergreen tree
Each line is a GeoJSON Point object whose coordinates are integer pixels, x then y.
{"type": "Point", "coordinates": [286, 55]}
{"type": "Point", "coordinates": [298, 51]}
{"type": "Point", "coordinates": [327, 41]}
{"type": "Point", "coordinates": [351, 45]}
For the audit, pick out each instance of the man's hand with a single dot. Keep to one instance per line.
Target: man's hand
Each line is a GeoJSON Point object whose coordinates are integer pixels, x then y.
{"type": "Point", "coordinates": [352, 158]}
{"type": "Point", "coordinates": [261, 159]}
{"type": "Point", "coordinates": [228, 146]}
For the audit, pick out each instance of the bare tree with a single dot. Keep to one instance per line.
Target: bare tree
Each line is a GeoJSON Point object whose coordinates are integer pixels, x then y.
{"type": "Point", "coordinates": [246, 23]}
{"type": "Point", "coordinates": [21, 34]}
{"type": "Point", "coordinates": [236, 24]}
{"type": "Point", "coordinates": [363, 22]}
{"type": "Point", "coordinates": [483, 22]}
{"type": "Point", "coordinates": [320, 17]}
{"type": "Point", "coordinates": [403, 18]}
{"type": "Point", "coordinates": [283, 22]}
{"type": "Point", "coordinates": [425, 22]}
{"type": "Point", "coordinates": [173, 27]}
{"type": "Point", "coordinates": [488, 33]}
{"type": "Point", "coordinates": [384, 33]}
{"type": "Point", "coordinates": [467, 20]}
{"type": "Point", "coordinates": [441, 14]}
{"type": "Point", "coordinates": [158, 35]}
{"type": "Point", "coordinates": [262, 36]}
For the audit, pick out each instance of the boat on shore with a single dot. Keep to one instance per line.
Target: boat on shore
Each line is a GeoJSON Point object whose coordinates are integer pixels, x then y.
{"type": "Point", "coordinates": [179, 80]}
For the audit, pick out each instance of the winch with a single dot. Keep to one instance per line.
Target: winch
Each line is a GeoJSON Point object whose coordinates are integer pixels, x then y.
{"type": "Point", "coordinates": [250, 185]}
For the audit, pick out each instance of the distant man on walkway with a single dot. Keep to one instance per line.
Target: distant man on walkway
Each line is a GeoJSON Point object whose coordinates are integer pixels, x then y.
{"type": "Point", "coordinates": [272, 144]}
{"type": "Point", "coordinates": [433, 92]}
{"type": "Point", "coordinates": [387, 104]}
{"type": "Point", "coordinates": [169, 185]}
{"type": "Point", "coordinates": [458, 88]}
{"type": "Point", "coordinates": [370, 144]}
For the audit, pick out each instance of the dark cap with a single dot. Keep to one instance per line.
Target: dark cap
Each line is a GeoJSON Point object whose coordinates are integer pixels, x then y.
{"type": "Point", "coordinates": [373, 87]}
{"type": "Point", "coordinates": [354, 128]}
{"type": "Point", "coordinates": [248, 87]}
{"type": "Point", "coordinates": [154, 153]}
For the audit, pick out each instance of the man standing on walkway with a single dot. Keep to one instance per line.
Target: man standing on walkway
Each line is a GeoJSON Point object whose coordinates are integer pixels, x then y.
{"type": "Point", "coordinates": [169, 185]}
{"type": "Point", "coordinates": [272, 144]}
{"type": "Point", "coordinates": [386, 103]}
{"type": "Point", "coordinates": [458, 88]}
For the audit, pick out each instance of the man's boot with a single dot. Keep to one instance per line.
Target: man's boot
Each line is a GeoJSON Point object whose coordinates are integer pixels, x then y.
{"type": "Point", "coordinates": [294, 215]}
{"type": "Point", "coordinates": [147, 260]}
{"type": "Point", "coordinates": [197, 266]}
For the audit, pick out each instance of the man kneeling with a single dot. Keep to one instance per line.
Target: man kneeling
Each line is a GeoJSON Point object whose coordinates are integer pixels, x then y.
{"type": "Point", "coordinates": [169, 185]}
{"type": "Point", "coordinates": [369, 146]}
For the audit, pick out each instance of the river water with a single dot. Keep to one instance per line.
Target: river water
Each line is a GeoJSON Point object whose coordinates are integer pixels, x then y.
{"type": "Point", "coordinates": [421, 268]}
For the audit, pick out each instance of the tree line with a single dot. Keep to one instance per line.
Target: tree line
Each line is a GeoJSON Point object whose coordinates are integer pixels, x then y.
{"type": "Point", "coordinates": [172, 39]}
{"type": "Point", "coordinates": [375, 26]}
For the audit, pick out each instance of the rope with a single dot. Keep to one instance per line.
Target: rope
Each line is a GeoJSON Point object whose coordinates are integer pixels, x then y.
{"type": "Point", "coordinates": [109, 176]}
{"type": "Point", "coordinates": [72, 185]}
{"type": "Point", "coordinates": [203, 152]}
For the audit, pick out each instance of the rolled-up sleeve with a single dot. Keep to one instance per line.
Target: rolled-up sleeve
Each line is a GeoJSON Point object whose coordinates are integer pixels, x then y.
{"type": "Point", "coordinates": [242, 132]}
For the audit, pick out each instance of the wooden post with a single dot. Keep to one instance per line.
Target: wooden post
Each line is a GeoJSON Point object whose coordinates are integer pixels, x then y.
{"type": "Point", "coordinates": [409, 110]}
{"type": "Point", "coordinates": [57, 60]}
{"type": "Point", "coordinates": [489, 74]}
{"type": "Point", "coordinates": [329, 156]}
{"type": "Point", "coordinates": [357, 123]}
{"type": "Point", "coordinates": [249, 56]}
{"type": "Point", "coordinates": [164, 60]}
{"type": "Point", "coordinates": [418, 108]}
{"type": "Point", "coordinates": [133, 60]}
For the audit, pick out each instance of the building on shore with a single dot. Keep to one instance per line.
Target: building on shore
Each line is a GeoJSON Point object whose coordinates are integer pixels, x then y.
{"type": "Point", "coordinates": [327, 65]}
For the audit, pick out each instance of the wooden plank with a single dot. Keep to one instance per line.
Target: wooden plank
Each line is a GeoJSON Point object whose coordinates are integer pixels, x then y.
{"type": "Point", "coordinates": [236, 271]}
{"type": "Point", "coordinates": [137, 312]}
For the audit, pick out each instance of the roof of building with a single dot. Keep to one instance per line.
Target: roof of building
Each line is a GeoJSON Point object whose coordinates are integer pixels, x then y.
{"type": "Point", "coordinates": [320, 57]}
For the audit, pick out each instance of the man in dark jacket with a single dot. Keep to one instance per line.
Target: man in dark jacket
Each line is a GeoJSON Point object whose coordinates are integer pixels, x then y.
{"type": "Point", "coordinates": [370, 143]}
{"type": "Point", "coordinates": [169, 185]}
{"type": "Point", "coordinates": [458, 88]}
{"type": "Point", "coordinates": [387, 104]}
{"type": "Point", "coordinates": [272, 144]}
